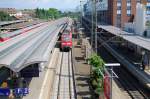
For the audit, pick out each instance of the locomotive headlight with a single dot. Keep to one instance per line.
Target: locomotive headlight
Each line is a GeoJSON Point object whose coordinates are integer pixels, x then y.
{"type": "Point", "coordinates": [68, 43]}
{"type": "Point", "coordinates": [63, 43]}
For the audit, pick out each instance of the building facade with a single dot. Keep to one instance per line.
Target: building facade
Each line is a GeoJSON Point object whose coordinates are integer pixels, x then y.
{"type": "Point", "coordinates": [117, 13]}
{"type": "Point", "coordinates": [9, 11]}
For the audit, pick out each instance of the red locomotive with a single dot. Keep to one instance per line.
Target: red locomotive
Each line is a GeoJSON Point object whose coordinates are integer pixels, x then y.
{"type": "Point", "coordinates": [66, 39]}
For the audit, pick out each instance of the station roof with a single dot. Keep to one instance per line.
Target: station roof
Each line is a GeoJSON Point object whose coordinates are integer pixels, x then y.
{"type": "Point", "coordinates": [21, 25]}
{"type": "Point", "coordinates": [10, 22]}
{"type": "Point", "coordinates": [131, 37]}
{"type": "Point", "coordinates": [29, 48]}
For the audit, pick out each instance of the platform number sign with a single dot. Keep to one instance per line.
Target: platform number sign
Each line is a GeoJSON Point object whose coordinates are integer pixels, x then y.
{"type": "Point", "coordinates": [4, 91]}
{"type": "Point", "coordinates": [22, 91]}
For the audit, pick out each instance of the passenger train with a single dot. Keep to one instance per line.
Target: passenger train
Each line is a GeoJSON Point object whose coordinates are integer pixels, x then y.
{"type": "Point", "coordinates": [66, 38]}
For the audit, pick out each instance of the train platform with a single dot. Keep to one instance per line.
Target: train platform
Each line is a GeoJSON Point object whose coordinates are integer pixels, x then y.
{"type": "Point", "coordinates": [133, 58]}
{"type": "Point", "coordinates": [82, 73]}
{"type": "Point", "coordinates": [40, 88]}
{"type": "Point", "coordinates": [128, 61]}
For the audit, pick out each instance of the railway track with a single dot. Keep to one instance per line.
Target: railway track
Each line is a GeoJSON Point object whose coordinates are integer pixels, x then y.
{"type": "Point", "coordinates": [63, 85]}
{"type": "Point", "coordinates": [131, 85]}
{"type": "Point", "coordinates": [128, 82]}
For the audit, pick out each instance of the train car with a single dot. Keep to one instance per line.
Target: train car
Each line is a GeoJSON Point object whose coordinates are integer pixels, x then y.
{"type": "Point", "coordinates": [6, 36]}
{"type": "Point", "coordinates": [66, 40]}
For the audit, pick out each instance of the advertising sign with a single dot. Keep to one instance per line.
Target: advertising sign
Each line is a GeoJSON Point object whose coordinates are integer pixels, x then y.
{"type": "Point", "coordinates": [19, 91]}
{"type": "Point", "coordinates": [4, 91]}
{"type": "Point", "coordinates": [102, 5]}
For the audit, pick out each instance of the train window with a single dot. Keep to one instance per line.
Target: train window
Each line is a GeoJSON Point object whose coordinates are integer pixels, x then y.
{"type": "Point", "coordinates": [66, 39]}
{"type": "Point", "coordinates": [66, 32]}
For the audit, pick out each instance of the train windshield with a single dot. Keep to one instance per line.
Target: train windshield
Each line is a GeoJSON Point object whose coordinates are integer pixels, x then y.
{"type": "Point", "coordinates": [66, 38]}
{"type": "Point", "coordinates": [66, 32]}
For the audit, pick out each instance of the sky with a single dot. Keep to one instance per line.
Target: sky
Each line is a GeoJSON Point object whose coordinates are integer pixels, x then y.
{"type": "Point", "coordinates": [31, 4]}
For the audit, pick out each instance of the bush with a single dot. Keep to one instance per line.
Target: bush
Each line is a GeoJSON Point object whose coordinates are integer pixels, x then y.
{"type": "Point", "coordinates": [97, 64]}
{"type": "Point", "coordinates": [96, 61]}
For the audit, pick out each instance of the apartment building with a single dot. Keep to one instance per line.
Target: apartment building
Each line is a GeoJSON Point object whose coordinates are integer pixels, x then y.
{"type": "Point", "coordinates": [117, 12]}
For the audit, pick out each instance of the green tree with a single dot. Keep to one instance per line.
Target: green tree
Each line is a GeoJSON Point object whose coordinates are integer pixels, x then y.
{"type": "Point", "coordinates": [46, 14]}
{"type": "Point", "coordinates": [6, 17]}
{"type": "Point", "coordinates": [54, 13]}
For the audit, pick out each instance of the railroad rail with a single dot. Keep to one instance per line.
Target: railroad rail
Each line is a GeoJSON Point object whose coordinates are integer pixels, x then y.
{"type": "Point", "coordinates": [131, 85]}
{"type": "Point", "coordinates": [63, 87]}
{"type": "Point", "coordinates": [10, 22]}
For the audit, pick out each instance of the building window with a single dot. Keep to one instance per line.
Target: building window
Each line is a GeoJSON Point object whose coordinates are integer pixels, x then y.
{"type": "Point", "coordinates": [148, 7]}
{"type": "Point", "coordinates": [138, 1]}
{"type": "Point", "coordinates": [118, 21]}
{"type": "Point", "coordinates": [148, 12]}
{"type": "Point", "coordinates": [118, 11]}
{"type": "Point", "coordinates": [118, 4]}
{"type": "Point", "coordinates": [128, 8]}
{"type": "Point", "coordinates": [148, 4]}
{"type": "Point", "coordinates": [128, 12]}
{"type": "Point", "coordinates": [128, 3]}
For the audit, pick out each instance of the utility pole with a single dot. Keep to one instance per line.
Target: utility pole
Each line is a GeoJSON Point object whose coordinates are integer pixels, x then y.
{"type": "Point", "coordinates": [92, 17]}
{"type": "Point", "coordinates": [94, 24]}
{"type": "Point", "coordinates": [95, 1]}
{"type": "Point", "coordinates": [0, 30]}
{"type": "Point", "coordinates": [81, 13]}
